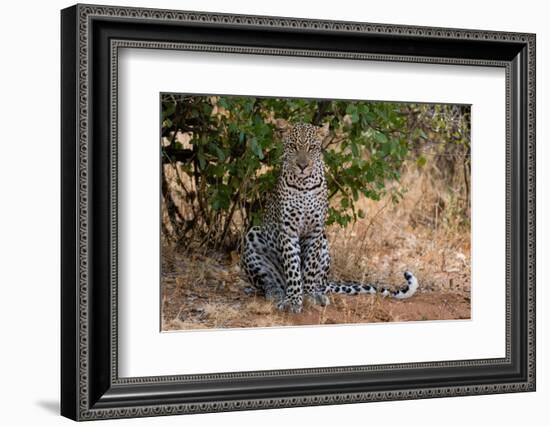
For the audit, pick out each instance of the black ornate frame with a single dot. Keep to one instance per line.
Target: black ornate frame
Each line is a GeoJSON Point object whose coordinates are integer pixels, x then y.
{"type": "Point", "coordinates": [91, 37]}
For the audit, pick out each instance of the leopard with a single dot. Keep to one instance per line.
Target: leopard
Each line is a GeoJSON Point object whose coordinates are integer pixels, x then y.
{"type": "Point", "coordinates": [287, 256]}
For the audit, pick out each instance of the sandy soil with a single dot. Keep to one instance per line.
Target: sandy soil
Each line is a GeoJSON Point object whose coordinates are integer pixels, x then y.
{"type": "Point", "coordinates": [201, 291]}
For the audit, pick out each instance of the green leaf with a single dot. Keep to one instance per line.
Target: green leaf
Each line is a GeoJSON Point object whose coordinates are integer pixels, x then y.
{"type": "Point", "coordinates": [351, 109]}
{"type": "Point", "coordinates": [354, 149]}
{"type": "Point", "coordinates": [256, 149]}
{"type": "Point", "coordinates": [219, 152]}
{"type": "Point", "coordinates": [202, 160]}
{"type": "Point", "coordinates": [370, 116]}
{"type": "Point", "coordinates": [215, 204]}
{"type": "Point", "coordinates": [370, 174]}
{"type": "Point", "coordinates": [380, 137]}
{"type": "Point", "coordinates": [168, 109]}
{"type": "Point", "coordinates": [344, 202]}
{"type": "Point", "coordinates": [222, 101]}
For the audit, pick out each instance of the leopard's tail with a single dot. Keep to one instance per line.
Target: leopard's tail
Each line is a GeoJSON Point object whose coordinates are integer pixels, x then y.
{"type": "Point", "coordinates": [353, 288]}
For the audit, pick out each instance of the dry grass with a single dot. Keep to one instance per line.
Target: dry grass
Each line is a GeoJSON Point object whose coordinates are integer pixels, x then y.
{"type": "Point", "coordinates": [405, 236]}
{"type": "Point", "coordinates": [423, 233]}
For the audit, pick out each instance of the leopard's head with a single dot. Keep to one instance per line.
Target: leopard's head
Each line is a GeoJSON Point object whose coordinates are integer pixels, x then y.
{"type": "Point", "coordinates": [302, 152]}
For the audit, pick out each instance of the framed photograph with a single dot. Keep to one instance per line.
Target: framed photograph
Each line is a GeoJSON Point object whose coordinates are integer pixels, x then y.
{"type": "Point", "coordinates": [263, 212]}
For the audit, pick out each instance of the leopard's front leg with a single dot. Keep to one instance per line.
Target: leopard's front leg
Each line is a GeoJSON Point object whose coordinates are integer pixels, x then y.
{"type": "Point", "coordinates": [315, 265]}
{"type": "Point", "coordinates": [289, 247]}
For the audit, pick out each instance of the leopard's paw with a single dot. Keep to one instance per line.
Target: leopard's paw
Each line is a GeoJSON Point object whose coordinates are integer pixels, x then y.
{"type": "Point", "coordinates": [293, 305]}
{"type": "Point", "coordinates": [275, 294]}
{"type": "Point", "coordinates": [318, 299]}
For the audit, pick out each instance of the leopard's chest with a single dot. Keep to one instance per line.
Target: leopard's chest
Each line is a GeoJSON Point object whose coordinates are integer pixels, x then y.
{"type": "Point", "coordinates": [303, 212]}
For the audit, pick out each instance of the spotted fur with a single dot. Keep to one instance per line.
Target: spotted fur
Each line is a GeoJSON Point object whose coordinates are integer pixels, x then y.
{"type": "Point", "coordinates": [287, 257]}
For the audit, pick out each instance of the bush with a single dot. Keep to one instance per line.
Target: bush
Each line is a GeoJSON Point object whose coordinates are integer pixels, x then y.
{"type": "Point", "coordinates": [224, 152]}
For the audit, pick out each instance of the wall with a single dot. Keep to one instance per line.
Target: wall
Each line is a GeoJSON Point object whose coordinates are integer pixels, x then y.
{"type": "Point", "coordinates": [29, 225]}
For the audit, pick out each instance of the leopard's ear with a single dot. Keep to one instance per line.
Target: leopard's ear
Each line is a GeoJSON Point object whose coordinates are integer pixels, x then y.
{"type": "Point", "coordinates": [323, 131]}
{"type": "Point", "coordinates": [282, 126]}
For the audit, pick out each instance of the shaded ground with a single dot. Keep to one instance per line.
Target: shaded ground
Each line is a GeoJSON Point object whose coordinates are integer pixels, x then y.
{"type": "Point", "coordinates": [208, 292]}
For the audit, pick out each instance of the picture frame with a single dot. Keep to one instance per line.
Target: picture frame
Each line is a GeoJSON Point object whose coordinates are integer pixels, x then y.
{"type": "Point", "coordinates": [90, 384]}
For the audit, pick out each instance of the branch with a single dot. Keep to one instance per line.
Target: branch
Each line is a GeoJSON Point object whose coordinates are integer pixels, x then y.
{"type": "Point", "coordinates": [340, 187]}
{"type": "Point", "coordinates": [181, 155]}
{"type": "Point", "coordinates": [332, 141]}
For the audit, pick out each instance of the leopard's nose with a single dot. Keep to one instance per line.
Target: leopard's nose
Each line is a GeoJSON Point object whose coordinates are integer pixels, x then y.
{"type": "Point", "coordinates": [302, 163]}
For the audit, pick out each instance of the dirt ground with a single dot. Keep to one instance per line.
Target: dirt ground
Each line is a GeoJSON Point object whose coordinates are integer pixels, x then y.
{"type": "Point", "coordinates": [218, 297]}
